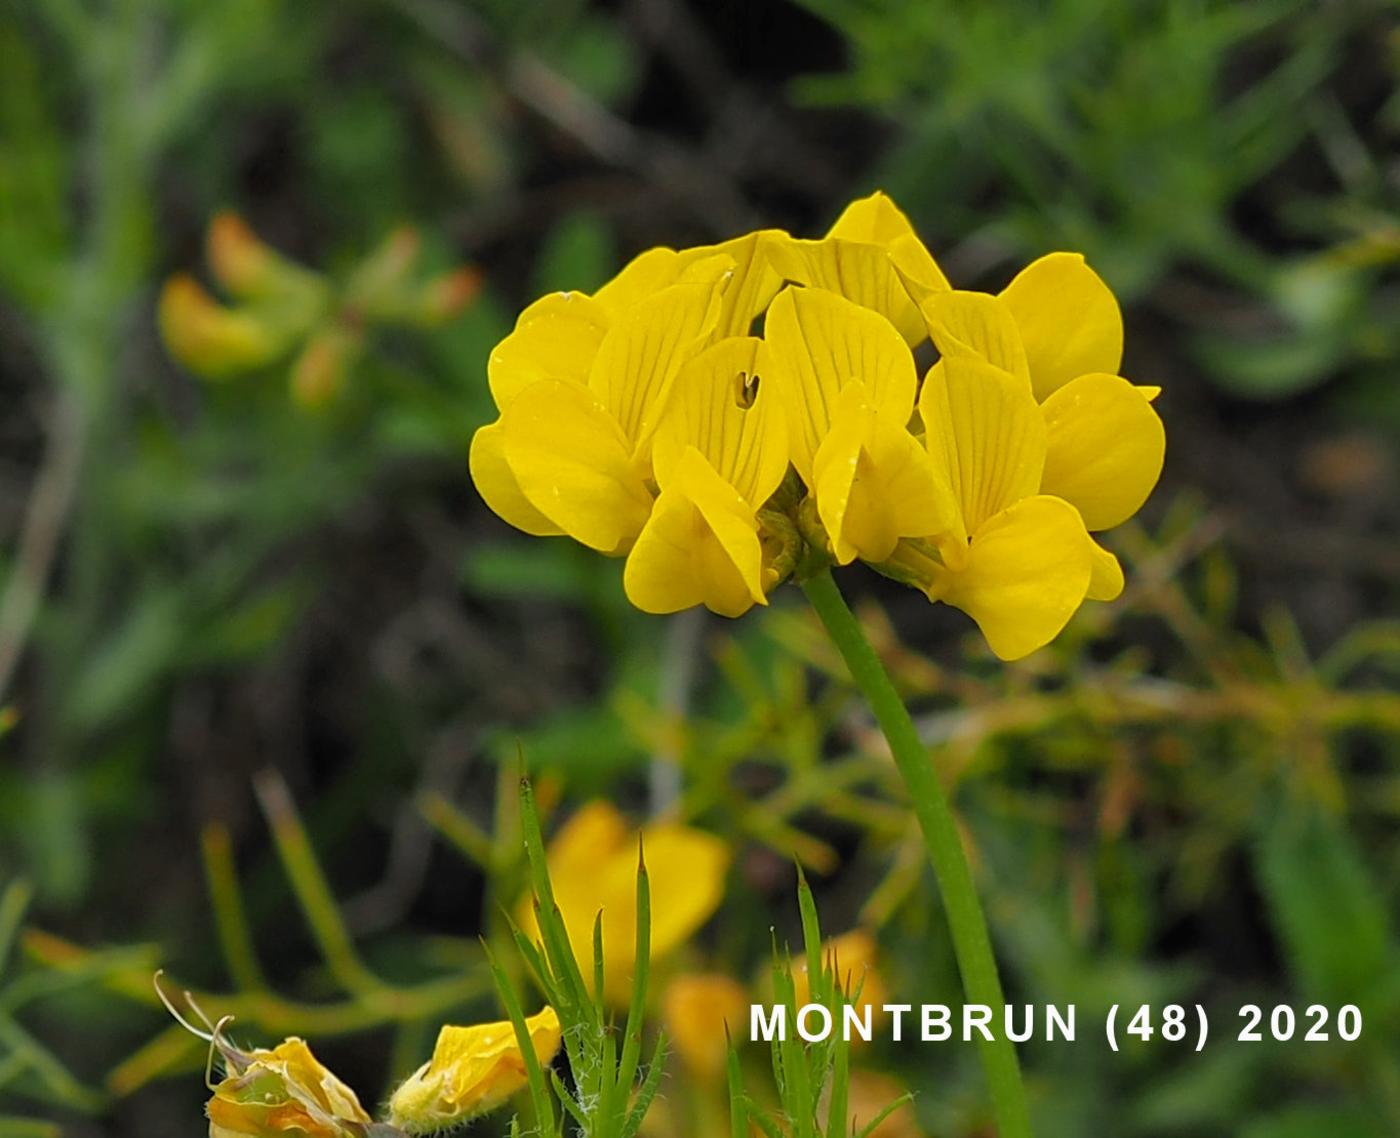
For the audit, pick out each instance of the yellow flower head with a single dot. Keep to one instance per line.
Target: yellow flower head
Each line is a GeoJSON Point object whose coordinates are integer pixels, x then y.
{"type": "Point", "coordinates": [700, 1008]}
{"type": "Point", "coordinates": [652, 420]}
{"type": "Point", "coordinates": [473, 1070]}
{"type": "Point", "coordinates": [593, 869]}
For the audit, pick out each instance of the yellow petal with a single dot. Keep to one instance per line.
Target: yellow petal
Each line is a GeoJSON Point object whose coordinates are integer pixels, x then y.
{"type": "Point", "coordinates": [917, 268]}
{"type": "Point", "coordinates": [1069, 320]}
{"type": "Point", "coordinates": [876, 220]}
{"type": "Point", "coordinates": [1148, 391]}
{"type": "Point", "coordinates": [1106, 582]}
{"type": "Point", "coordinates": [984, 429]}
{"type": "Point", "coordinates": [574, 465]}
{"type": "Point", "coordinates": [700, 546]}
{"type": "Point", "coordinates": [1104, 448]}
{"type": "Point", "coordinates": [645, 348]}
{"type": "Point", "coordinates": [753, 282]}
{"type": "Point", "coordinates": [978, 324]}
{"type": "Point", "coordinates": [496, 483]}
{"type": "Point", "coordinates": [723, 407]}
{"type": "Point", "coordinates": [593, 865]}
{"type": "Point", "coordinates": [875, 483]}
{"type": "Point", "coordinates": [861, 272]}
{"type": "Point", "coordinates": [703, 1012]}
{"type": "Point", "coordinates": [1023, 575]}
{"type": "Point", "coordinates": [555, 338]}
{"type": "Point", "coordinates": [818, 342]}
{"type": "Point", "coordinates": [644, 275]}
{"type": "Point", "coordinates": [473, 1070]}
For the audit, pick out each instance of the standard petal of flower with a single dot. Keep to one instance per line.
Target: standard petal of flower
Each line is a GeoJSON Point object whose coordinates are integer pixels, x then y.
{"type": "Point", "coordinates": [1104, 448]}
{"type": "Point", "coordinates": [1106, 582]}
{"type": "Point", "coordinates": [861, 272]}
{"type": "Point", "coordinates": [700, 546]}
{"type": "Point", "coordinates": [555, 338]}
{"type": "Point", "coordinates": [1025, 572]}
{"type": "Point", "coordinates": [978, 324]}
{"type": "Point", "coordinates": [648, 273]}
{"type": "Point", "coordinates": [574, 465]}
{"type": "Point", "coordinates": [753, 284]}
{"type": "Point", "coordinates": [1069, 320]}
{"type": "Point", "coordinates": [497, 485]}
{"type": "Point", "coordinates": [723, 407]}
{"type": "Point", "coordinates": [875, 483]}
{"type": "Point", "coordinates": [917, 268]}
{"type": "Point", "coordinates": [984, 429]}
{"type": "Point", "coordinates": [645, 348]}
{"type": "Point", "coordinates": [820, 341]}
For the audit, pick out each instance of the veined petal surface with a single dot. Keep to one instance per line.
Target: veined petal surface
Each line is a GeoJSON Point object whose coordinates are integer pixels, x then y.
{"type": "Point", "coordinates": [818, 343]}
{"type": "Point", "coordinates": [723, 406]}
{"type": "Point", "coordinates": [861, 272]}
{"type": "Point", "coordinates": [574, 465]}
{"type": "Point", "coordinates": [983, 428]}
{"type": "Point", "coordinates": [644, 349]}
{"type": "Point", "coordinates": [975, 324]}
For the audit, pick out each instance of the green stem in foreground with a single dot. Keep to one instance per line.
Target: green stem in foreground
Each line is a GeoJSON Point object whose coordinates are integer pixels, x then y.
{"type": "Point", "coordinates": [973, 947]}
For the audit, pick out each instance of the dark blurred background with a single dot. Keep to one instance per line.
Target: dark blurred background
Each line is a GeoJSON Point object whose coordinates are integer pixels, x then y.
{"type": "Point", "coordinates": [1193, 795]}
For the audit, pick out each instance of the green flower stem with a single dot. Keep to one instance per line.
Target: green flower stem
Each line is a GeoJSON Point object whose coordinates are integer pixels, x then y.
{"type": "Point", "coordinates": [971, 943]}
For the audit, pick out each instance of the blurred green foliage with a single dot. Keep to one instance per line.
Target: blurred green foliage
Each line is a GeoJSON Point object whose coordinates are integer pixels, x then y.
{"type": "Point", "coordinates": [1192, 796]}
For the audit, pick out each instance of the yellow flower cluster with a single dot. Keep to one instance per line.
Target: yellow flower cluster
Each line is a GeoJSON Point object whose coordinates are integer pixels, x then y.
{"type": "Point", "coordinates": [648, 421]}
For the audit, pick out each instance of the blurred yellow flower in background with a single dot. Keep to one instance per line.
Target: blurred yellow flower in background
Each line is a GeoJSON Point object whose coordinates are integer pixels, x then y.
{"type": "Point", "coordinates": [854, 956]}
{"type": "Point", "coordinates": [703, 1011]}
{"type": "Point", "coordinates": [473, 1070]}
{"type": "Point", "coordinates": [593, 869]}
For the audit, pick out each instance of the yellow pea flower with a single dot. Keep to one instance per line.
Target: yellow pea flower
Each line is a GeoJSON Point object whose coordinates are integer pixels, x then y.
{"type": "Point", "coordinates": [473, 1070]}
{"type": "Point", "coordinates": [848, 380]}
{"type": "Point", "coordinates": [212, 339]}
{"type": "Point", "coordinates": [1017, 561]}
{"type": "Point", "coordinates": [699, 1009]}
{"type": "Point", "coordinates": [1057, 326]}
{"type": "Point", "coordinates": [720, 452]}
{"type": "Point", "coordinates": [282, 1091]}
{"type": "Point", "coordinates": [581, 380]}
{"type": "Point", "coordinates": [593, 868]}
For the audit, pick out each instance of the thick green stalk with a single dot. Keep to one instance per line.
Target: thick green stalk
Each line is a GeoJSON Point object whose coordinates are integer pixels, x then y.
{"type": "Point", "coordinates": [973, 947]}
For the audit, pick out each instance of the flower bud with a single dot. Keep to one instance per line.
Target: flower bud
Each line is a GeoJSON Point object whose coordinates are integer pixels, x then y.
{"type": "Point", "coordinates": [319, 373]}
{"type": "Point", "coordinates": [473, 1070]}
{"type": "Point", "coordinates": [208, 338]}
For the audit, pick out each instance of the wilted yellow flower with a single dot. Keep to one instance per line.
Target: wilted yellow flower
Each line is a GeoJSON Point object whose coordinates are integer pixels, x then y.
{"type": "Point", "coordinates": [473, 1070]}
{"type": "Point", "coordinates": [593, 868]}
{"type": "Point", "coordinates": [703, 1010]}
{"type": "Point", "coordinates": [649, 421]}
{"type": "Point", "coordinates": [282, 1091]}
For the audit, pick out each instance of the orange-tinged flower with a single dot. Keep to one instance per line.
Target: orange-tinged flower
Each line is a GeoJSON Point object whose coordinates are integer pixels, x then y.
{"type": "Point", "coordinates": [473, 1070]}
{"type": "Point", "coordinates": [703, 1010]}
{"type": "Point", "coordinates": [593, 868]}
{"type": "Point", "coordinates": [209, 338]}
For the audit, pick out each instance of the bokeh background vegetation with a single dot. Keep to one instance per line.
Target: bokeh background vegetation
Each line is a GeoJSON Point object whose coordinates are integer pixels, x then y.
{"type": "Point", "coordinates": [1193, 796]}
